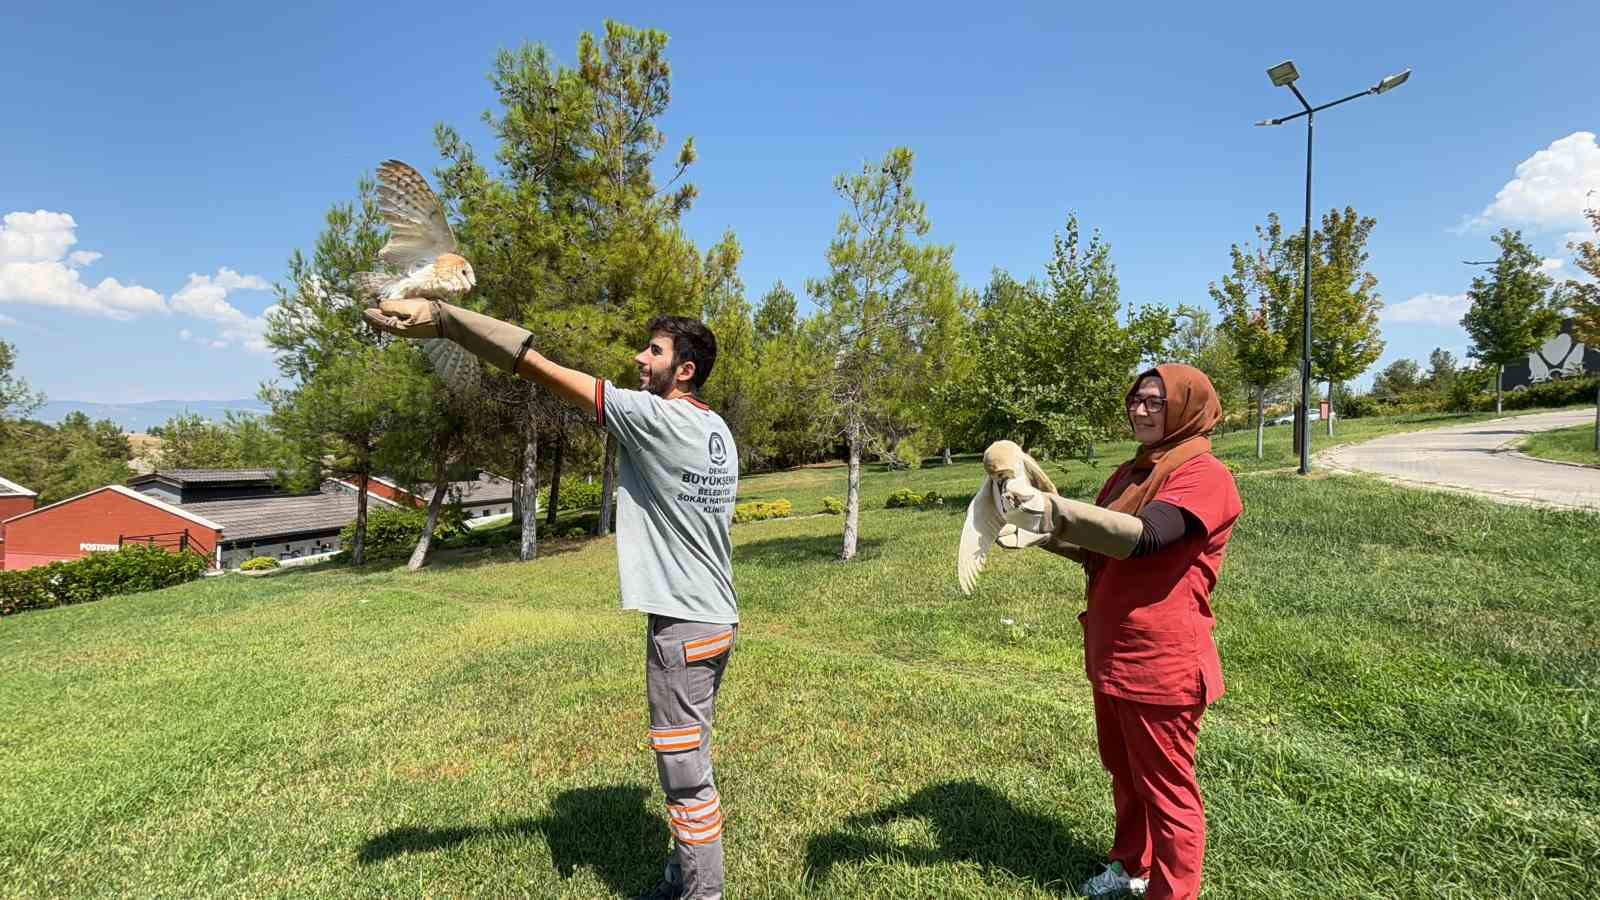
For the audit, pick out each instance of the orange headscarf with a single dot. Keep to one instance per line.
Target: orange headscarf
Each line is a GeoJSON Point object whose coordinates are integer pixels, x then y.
{"type": "Point", "coordinates": [1193, 410]}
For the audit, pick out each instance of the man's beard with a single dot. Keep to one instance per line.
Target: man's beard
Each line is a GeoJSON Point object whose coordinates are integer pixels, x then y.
{"type": "Point", "coordinates": [659, 383]}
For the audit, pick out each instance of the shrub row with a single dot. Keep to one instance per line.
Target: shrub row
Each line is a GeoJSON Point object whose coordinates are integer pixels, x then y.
{"type": "Point", "coordinates": [394, 532]}
{"type": "Point", "coordinates": [258, 564]}
{"type": "Point", "coordinates": [127, 571]}
{"type": "Point", "coordinates": [575, 494]}
{"type": "Point", "coordinates": [906, 498]}
{"type": "Point", "coordinates": [755, 512]}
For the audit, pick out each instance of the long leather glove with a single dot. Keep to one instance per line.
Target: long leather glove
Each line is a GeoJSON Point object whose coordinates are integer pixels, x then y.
{"type": "Point", "coordinates": [1084, 525]}
{"type": "Point", "coordinates": [1013, 538]}
{"type": "Point", "coordinates": [497, 343]}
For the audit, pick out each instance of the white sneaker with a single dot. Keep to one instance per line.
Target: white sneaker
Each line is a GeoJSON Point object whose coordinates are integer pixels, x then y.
{"type": "Point", "coordinates": [1113, 882]}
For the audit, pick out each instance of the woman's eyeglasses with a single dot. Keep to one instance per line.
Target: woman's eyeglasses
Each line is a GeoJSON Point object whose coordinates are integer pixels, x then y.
{"type": "Point", "coordinates": [1151, 404]}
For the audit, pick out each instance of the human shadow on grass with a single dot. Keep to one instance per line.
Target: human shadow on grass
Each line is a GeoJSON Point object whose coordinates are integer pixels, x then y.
{"type": "Point", "coordinates": [802, 549]}
{"type": "Point", "coordinates": [971, 822]}
{"type": "Point", "coordinates": [615, 831]}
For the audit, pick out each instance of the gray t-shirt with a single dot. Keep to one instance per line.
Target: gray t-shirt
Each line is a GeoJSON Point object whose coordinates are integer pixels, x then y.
{"type": "Point", "coordinates": [677, 477]}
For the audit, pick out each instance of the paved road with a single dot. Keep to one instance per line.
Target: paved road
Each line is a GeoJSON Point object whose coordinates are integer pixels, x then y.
{"type": "Point", "coordinates": [1477, 459]}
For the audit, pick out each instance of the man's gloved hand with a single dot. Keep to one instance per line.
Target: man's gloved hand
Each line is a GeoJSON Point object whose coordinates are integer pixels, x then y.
{"type": "Point", "coordinates": [413, 319]}
{"type": "Point", "coordinates": [500, 344]}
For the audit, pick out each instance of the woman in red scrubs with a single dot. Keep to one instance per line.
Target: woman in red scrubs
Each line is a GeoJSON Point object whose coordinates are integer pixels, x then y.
{"type": "Point", "coordinates": [1152, 546]}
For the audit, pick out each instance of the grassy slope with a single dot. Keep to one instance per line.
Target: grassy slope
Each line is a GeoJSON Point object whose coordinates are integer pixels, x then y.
{"type": "Point", "coordinates": [1575, 444]}
{"type": "Point", "coordinates": [1412, 712]}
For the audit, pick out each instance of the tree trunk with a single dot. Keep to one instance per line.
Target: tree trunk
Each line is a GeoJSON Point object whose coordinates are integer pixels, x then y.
{"type": "Point", "coordinates": [441, 487]}
{"type": "Point", "coordinates": [608, 489]}
{"type": "Point", "coordinates": [1261, 419]}
{"type": "Point", "coordinates": [358, 552]}
{"type": "Point", "coordinates": [1499, 379]}
{"type": "Point", "coordinates": [947, 460]}
{"type": "Point", "coordinates": [516, 488]}
{"type": "Point", "coordinates": [555, 475]}
{"type": "Point", "coordinates": [852, 497]}
{"type": "Point", "coordinates": [1597, 420]}
{"type": "Point", "coordinates": [530, 487]}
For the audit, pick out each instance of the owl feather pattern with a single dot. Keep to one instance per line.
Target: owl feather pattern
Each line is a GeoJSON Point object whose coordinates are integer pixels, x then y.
{"type": "Point", "coordinates": [422, 262]}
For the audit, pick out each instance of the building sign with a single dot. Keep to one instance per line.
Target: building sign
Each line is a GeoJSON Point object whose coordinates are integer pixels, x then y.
{"type": "Point", "coordinates": [1562, 356]}
{"type": "Point", "coordinates": [98, 548]}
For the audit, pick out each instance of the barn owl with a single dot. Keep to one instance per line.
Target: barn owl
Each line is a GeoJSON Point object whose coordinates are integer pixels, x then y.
{"type": "Point", "coordinates": [1012, 478]}
{"type": "Point", "coordinates": [423, 263]}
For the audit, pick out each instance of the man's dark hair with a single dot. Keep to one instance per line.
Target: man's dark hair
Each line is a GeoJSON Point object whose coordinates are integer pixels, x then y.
{"type": "Point", "coordinates": [692, 342]}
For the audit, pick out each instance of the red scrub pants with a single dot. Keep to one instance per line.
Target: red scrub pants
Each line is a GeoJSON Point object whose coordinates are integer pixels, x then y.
{"type": "Point", "coordinates": [1161, 822]}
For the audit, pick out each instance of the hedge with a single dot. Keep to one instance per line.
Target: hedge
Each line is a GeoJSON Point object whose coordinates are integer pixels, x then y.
{"type": "Point", "coordinates": [395, 532]}
{"type": "Point", "coordinates": [575, 494]}
{"type": "Point", "coordinates": [755, 512]}
{"type": "Point", "coordinates": [258, 564]}
{"type": "Point", "coordinates": [126, 571]}
{"type": "Point", "coordinates": [906, 498]}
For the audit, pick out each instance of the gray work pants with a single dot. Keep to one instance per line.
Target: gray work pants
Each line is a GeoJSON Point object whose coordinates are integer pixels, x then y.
{"type": "Point", "coordinates": [684, 662]}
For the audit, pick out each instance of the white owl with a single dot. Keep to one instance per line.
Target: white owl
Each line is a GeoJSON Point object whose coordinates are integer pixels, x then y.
{"type": "Point", "coordinates": [421, 254]}
{"type": "Point", "coordinates": [1011, 477]}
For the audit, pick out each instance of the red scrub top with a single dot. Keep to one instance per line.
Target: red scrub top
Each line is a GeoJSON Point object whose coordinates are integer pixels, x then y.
{"type": "Point", "coordinates": [1147, 631]}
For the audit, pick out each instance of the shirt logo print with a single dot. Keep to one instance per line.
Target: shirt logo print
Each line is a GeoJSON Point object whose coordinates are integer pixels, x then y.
{"type": "Point", "coordinates": [717, 448]}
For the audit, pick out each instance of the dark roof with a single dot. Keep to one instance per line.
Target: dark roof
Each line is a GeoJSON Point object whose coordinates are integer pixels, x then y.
{"type": "Point", "coordinates": [209, 476]}
{"type": "Point", "coordinates": [486, 488]}
{"type": "Point", "coordinates": [261, 518]}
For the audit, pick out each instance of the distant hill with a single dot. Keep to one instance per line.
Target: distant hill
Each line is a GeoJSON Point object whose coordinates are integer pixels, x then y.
{"type": "Point", "coordinates": [147, 415]}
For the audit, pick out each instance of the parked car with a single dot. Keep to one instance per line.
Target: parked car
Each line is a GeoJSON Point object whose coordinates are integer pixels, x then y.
{"type": "Point", "coordinates": [1315, 415]}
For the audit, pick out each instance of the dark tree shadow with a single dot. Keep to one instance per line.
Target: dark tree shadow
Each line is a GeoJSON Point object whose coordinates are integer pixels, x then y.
{"type": "Point", "coordinates": [803, 549]}
{"type": "Point", "coordinates": [616, 831]}
{"type": "Point", "coordinates": [972, 823]}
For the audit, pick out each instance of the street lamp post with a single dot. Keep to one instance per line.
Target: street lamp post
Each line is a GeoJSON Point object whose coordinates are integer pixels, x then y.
{"type": "Point", "coordinates": [1285, 74]}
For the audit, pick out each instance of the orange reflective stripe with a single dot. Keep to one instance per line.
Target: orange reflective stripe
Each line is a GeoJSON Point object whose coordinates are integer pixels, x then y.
{"type": "Point", "coordinates": [600, 402]}
{"type": "Point", "coordinates": [705, 648]}
{"type": "Point", "coordinates": [699, 834]}
{"type": "Point", "coordinates": [666, 740]}
{"type": "Point", "coordinates": [675, 730]}
{"type": "Point", "coordinates": [702, 835]}
{"type": "Point", "coordinates": [696, 811]}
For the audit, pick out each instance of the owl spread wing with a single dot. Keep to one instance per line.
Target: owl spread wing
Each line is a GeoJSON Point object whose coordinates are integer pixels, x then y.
{"type": "Point", "coordinates": [985, 518]}
{"type": "Point", "coordinates": [418, 232]}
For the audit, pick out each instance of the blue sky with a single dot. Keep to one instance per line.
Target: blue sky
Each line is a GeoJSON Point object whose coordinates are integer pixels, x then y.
{"type": "Point", "coordinates": [183, 151]}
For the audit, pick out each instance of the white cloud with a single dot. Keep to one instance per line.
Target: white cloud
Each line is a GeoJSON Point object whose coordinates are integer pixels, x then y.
{"type": "Point", "coordinates": [35, 268]}
{"type": "Point", "coordinates": [1551, 263]}
{"type": "Point", "coordinates": [1432, 309]}
{"type": "Point", "coordinates": [206, 297]}
{"type": "Point", "coordinates": [38, 266]}
{"type": "Point", "coordinates": [1551, 187]}
{"type": "Point", "coordinates": [39, 236]}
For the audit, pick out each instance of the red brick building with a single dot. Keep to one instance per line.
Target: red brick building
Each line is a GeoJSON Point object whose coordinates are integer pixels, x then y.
{"type": "Point", "coordinates": [104, 519]}
{"type": "Point", "coordinates": [14, 501]}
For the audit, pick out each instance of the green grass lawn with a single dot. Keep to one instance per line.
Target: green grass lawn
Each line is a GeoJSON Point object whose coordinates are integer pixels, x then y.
{"type": "Point", "coordinates": [1412, 712]}
{"type": "Point", "coordinates": [1575, 444]}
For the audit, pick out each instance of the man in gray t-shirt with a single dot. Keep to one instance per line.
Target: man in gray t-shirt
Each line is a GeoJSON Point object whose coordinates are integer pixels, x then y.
{"type": "Point", "coordinates": [678, 475]}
